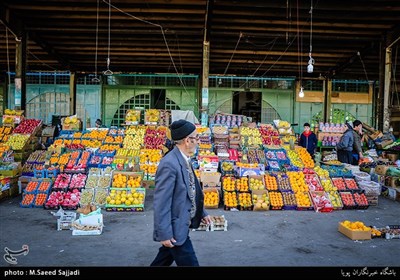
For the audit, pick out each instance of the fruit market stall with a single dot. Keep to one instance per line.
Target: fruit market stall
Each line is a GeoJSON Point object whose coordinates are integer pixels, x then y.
{"type": "Point", "coordinates": [241, 168]}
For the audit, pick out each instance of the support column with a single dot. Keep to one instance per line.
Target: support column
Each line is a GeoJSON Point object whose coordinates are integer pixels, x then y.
{"type": "Point", "coordinates": [72, 94]}
{"type": "Point", "coordinates": [20, 72]}
{"type": "Point", "coordinates": [386, 93]}
{"type": "Point", "coordinates": [327, 85]}
{"type": "Point", "coordinates": [204, 83]}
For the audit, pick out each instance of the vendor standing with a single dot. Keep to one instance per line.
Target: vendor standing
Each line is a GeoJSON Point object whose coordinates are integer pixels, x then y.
{"type": "Point", "coordinates": [357, 146]}
{"type": "Point", "coordinates": [345, 146]}
{"type": "Point", "coordinates": [308, 140]}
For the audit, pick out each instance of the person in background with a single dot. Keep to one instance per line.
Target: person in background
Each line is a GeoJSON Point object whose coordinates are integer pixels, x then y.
{"type": "Point", "coordinates": [345, 146]}
{"type": "Point", "coordinates": [178, 200]}
{"type": "Point", "coordinates": [357, 145]}
{"type": "Point", "coordinates": [99, 124]}
{"type": "Point", "coordinates": [308, 140]}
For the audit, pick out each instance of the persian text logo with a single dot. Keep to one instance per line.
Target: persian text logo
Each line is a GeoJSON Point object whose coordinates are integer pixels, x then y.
{"type": "Point", "coordinates": [9, 256]}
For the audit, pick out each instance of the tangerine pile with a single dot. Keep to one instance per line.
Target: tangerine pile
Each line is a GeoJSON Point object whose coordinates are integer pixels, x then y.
{"type": "Point", "coordinates": [230, 199]}
{"type": "Point", "coordinates": [270, 183]}
{"type": "Point", "coordinates": [242, 184]}
{"type": "Point", "coordinates": [357, 225]}
{"type": "Point", "coordinates": [211, 198]}
{"type": "Point", "coordinates": [303, 199]}
{"type": "Point", "coordinates": [228, 183]}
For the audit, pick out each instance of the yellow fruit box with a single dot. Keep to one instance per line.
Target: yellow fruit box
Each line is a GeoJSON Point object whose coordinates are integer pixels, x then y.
{"type": "Point", "coordinates": [258, 206]}
{"type": "Point", "coordinates": [207, 191]}
{"type": "Point", "coordinates": [354, 234]}
{"type": "Point", "coordinates": [256, 182]}
{"type": "Point", "coordinates": [71, 126]}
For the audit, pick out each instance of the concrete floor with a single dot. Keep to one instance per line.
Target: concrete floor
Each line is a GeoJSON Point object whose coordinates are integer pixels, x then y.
{"type": "Point", "coordinates": [272, 238]}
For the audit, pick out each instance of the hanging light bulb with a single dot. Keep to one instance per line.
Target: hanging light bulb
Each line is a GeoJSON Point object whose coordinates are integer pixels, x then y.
{"type": "Point", "coordinates": [310, 67]}
{"type": "Point", "coordinates": [220, 81]}
{"type": "Point", "coordinates": [301, 92]}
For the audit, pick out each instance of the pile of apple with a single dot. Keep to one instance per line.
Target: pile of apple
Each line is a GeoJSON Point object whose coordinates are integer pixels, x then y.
{"type": "Point", "coordinates": [269, 135]}
{"type": "Point", "coordinates": [154, 138]}
{"type": "Point", "coordinates": [78, 181]}
{"type": "Point", "coordinates": [17, 141]}
{"type": "Point", "coordinates": [313, 182]}
{"type": "Point", "coordinates": [69, 200]}
{"type": "Point", "coordinates": [62, 181]}
{"type": "Point", "coordinates": [339, 184]}
{"type": "Point", "coordinates": [294, 158]}
{"type": "Point", "coordinates": [351, 184]}
{"type": "Point", "coordinates": [335, 199]}
{"type": "Point", "coordinates": [361, 199]}
{"type": "Point", "coordinates": [27, 126]}
{"type": "Point", "coordinates": [327, 185]}
{"type": "Point", "coordinates": [252, 135]}
{"type": "Point", "coordinates": [133, 141]}
{"type": "Point", "coordinates": [322, 173]}
{"type": "Point", "coordinates": [320, 201]}
{"type": "Point", "coordinates": [347, 199]}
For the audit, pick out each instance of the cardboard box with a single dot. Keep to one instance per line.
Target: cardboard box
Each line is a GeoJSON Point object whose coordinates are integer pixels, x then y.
{"type": "Point", "coordinates": [210, 179]}
{"type": "Point", "coordinates": [381, 169]}
{"type": "Point", "coordinates": [212, 190]}
{"type": "Point", "coordinates": [391, 181]}
{"type": "Point", "coordinates": [383, 144]}
{"type": "Point", "coordinates": [71, 126]}
{"type": "Point", "coordinates": [259, 178]}
{"type": "Point", "coordinates": [377, 134]}
{"type": "Point", "coordinates": [12, 172]}
{"type": "Point", "coordinates": [95, 220]}
{"type": "Point", "coordinates": [354, 234]}
{"type": "Point", "coordinates": [260, 192]}
{"type": "Point", "coordinates": [392, 157]}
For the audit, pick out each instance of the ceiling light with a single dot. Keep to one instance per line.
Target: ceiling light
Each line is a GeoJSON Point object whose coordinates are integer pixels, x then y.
{"type": "Point", "coordinates": [301, 93]}
{"type": "Point", "coordinates": [310, 67]}
{"type": "Point", "coordinates": [220, 81]}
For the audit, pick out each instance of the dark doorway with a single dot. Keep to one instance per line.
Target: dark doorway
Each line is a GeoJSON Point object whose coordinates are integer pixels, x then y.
{"type": "Point", "coordinates": [247, 103]}
{"type": "Point", "coordinates": [157, 99]}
